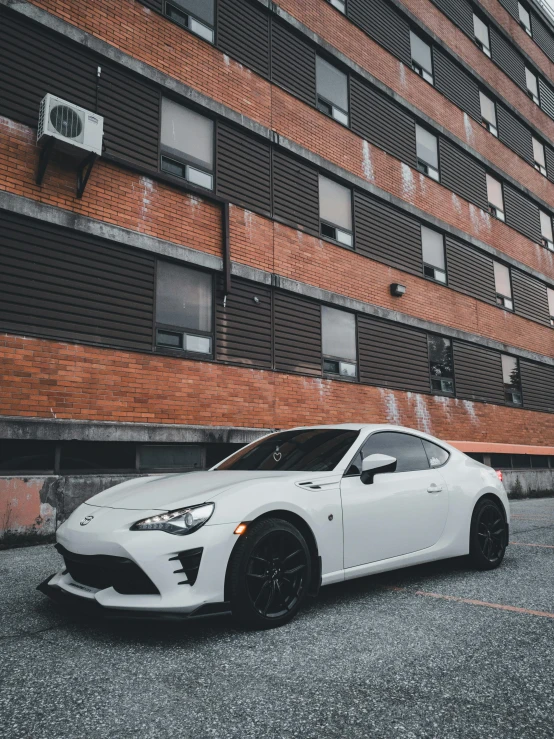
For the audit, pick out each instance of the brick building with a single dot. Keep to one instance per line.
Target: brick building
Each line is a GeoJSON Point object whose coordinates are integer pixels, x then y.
{"type": "Point", "coordinates": [303, 212]}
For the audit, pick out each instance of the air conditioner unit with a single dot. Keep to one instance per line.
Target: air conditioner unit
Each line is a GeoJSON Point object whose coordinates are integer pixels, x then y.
{"type": "Point", "coordinates": [73, 127]}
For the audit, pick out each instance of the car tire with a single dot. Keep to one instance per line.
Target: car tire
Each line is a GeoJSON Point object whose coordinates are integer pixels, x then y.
{"type": "Point", "coordinates": [270, 572]}
{"type": "Point", "coordinates": [488, 535]}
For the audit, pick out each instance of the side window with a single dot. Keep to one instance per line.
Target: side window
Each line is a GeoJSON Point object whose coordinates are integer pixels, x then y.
{"type": "Point", "coordinates": [481, 35]}
{"type": "Point", "coordinates": [196, 15]}
{"type": "Point", "coordinates": [532, 88]}
{"type": "Point", "coordinates": [524, 18]}
{"type": "Point", "coordinates": [427, 153]}
{"type": "Point", "coordinates": [441, 365]}
{"type": "Point", "coordinates": [488, 114]}
{"type": "Point", "coordinates": [511, 379]}
{"type": "Point", "coordinates": [338, 329]}
{"type": "Point", "coordinates": [550, 292]}
{"type": "Point", "coordinates": [503, 285]}
{"type": "Point", "coordinates": [538, 156]}
{"type": "Point", "coordinates": [187, 144]}
{"type": "Point", "coordinates": [332, 90]}
{"type": "Point", "coordinates": [495, 198]}
{"type": "Point", "coordinates": [184, 309]}
{"type": "Point", "coordinates": [421, 58]}
{"type": "Point", "coordinates": [335, 211]}
{"type": "Point", "coordinates": [546, 230]}
{"type": "Point", "coordinates": [407, 449]}
{"type": "Point", "coordinates": [434, 263]}
{"type": "Point", "coordinates": [436, 454]}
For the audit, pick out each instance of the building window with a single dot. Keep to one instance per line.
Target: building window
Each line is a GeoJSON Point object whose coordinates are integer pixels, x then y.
{"type": "Point", "coordinates": [427, 153]}
{"type": "Point", "coordinates": [332, 91]}
{"type": "Point", "coordinates": [538, 156]}
{"type": "Point", "coordinates": [187, 144]}
{"type": "Point", "coordinates": [26, 455]}
{"type": "Point", "coordinates": [488, 114]}
{"type": "Point", "coordinates": [335, 211]}
{"type": "Point", "coordinates": [339, 5]}
{"type": "Point", "coordinates": [550, 293]}
{"type": "Point", "coordinates": [97, 456]}
{"type": "Point", "coordinates": [170, 457]}
{"type": "Point", "coordinates": [184, 309]}
{"type": "Point", "coordinates": [511, 379]}
{"type": "Point", "coordinates": [434, 263]}
{"type": "Point", "coordinates": [481, 35]}
{"type": "Point", "coordinates": [441, 365]}
{"type": "Point", "coordinates": [532, 87]}
{"type": "Point", "coordinates": [421, 58]}
{"type": "Point", "coordinates": [503, 285]}
{"type": "Point", "coordinates": [196, 15]}
{"type": "Point", "coordinates": [546, 230]}
{"type": "Point", "coordinates": [338, 335]}
{"type": "Point", "coordinates": [524, 18]}
{"type": "Point", "coordinates": [495, 197]}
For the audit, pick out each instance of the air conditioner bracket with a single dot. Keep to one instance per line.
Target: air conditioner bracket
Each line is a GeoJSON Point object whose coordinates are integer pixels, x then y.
{"type": "Point", "coordinates": [83, 173]}
{"type": "Point", "coordinates": [44, 159]}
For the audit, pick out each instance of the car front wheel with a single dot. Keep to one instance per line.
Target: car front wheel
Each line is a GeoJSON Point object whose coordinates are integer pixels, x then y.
{"type": "Point", "coordinates": [270, 573]}
{"type": "Point", "coordinates": [488, 536]}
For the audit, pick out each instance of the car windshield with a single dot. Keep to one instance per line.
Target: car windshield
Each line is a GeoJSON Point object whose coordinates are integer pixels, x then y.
{"type": "Point", "coordinates": [303, 450]}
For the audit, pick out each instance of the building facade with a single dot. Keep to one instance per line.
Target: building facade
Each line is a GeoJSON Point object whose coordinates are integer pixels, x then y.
{"type": "Point", "coordinates": [302, 212]}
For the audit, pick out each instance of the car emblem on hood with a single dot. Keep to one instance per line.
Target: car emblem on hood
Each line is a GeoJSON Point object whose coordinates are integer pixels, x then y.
{"type": "Point", "coordinates": [86, 519]}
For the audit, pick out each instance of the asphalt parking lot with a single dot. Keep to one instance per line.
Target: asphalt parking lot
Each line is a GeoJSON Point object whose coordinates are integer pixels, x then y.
{"type": "Point", "coordinates": [378, 657]}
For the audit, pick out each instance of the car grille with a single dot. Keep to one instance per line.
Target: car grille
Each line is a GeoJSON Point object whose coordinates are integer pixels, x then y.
{"type": "Point", "coordinates": [190, 564]}
{"type": "Point", "coordinates": [104, 571]}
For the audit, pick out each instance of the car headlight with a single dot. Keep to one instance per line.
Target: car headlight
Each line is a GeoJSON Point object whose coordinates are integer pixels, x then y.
{"type": "Point", "coordinates": [180, 522]}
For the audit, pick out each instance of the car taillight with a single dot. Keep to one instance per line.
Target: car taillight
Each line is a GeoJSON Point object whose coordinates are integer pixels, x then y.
{"type": "Point", "coordinates": [499, 474]}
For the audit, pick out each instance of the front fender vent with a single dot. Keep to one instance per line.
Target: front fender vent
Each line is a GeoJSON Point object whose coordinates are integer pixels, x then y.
{"type": "Point", "coordinates": [190, 564]}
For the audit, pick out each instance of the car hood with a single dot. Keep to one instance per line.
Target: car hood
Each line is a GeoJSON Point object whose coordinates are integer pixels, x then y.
{"type": "Point", "coordinates": [166, 492]}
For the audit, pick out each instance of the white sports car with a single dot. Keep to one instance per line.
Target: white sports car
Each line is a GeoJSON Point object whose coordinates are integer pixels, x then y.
{"type": "Point", "coordinates": [276, 520]}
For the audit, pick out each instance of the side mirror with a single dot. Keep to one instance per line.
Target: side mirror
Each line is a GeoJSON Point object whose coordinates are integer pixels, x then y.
{"type": "Point", "coordinates": [376, 464]}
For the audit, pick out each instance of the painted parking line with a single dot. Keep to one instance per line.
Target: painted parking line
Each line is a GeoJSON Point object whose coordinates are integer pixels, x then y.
{"type": "Point", "coordinates": [525, 544]}
{"type": "Point", "coordinates": [472, 602]}
{"type": "Point", "coordinates": [532, 518]}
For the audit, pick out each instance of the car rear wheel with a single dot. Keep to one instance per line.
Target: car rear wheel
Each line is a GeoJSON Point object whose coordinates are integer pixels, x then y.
{"type": "Point", "coordinates": [270, 574]}
{"type": "Point", "coordinates": [488, 536]}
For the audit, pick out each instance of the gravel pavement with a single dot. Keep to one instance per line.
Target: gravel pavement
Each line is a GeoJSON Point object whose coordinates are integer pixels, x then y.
{"type": "Point", "coordinates": [377, 657]}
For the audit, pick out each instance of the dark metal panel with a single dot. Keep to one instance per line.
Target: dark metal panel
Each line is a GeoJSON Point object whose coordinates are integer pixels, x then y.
{"type": "Point", "coordinates": [530, 297]}
{"type": "Point", "coordinates": [546, 95]}
{"type": "Point", "coordinates": [243, 326]}
{"type": "Point", "coordinates": [386, 234]}
{"type": "Point", "coordinates": [393, 356]}
{"type": "Point", "coordinates": [131, 111]}
{"type": "Point", "coordinates": [542, 36]}
{"type": "Point", "coordinates": [156, 5]}
{"type": "Point", "coordinates": [59, 284]}
{"type": "Point", "coordinates": [511, 7]}
{"type": "Point", "coordinates": [470, 271]}
{"type": "Point", "coordinates": [462, 174]}
{"type": "Point", "coordinates": [460, 12]}
{"type": "Point", "coordinates": [514, 134]}
{"type": "Point", "coordinates": [35, 61]}
{"type": "Point", "coordinates": [292, 63]}
{"type": "Point", "coordinates": [295, 191]}
{"type": "Point", "coordinates": [549, 157]}
{"type": "Point", "coordinates": [384, 24]}
{"type": "Point", "coordinates": [382, 122]}
{"type": "Point", "coordinates": [243, 33]}
{"type": "Point", "coordinates": [537, 385]}
{"type": "Point", "coordinates": [296, 334]}
{"type": "Point", "coordinates": [522, 214]}
{"type": "Point", "coordinates": [243, 168]}
{"type": "Point", "coordinates": [455, 84]}
{"type": "Point", "coordinates": [508, 59]}
{"type": "Point", "coordinates": [478, 373]}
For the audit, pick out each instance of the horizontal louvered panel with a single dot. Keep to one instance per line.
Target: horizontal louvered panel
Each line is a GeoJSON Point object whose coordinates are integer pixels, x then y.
{"type": "Point", "coordinates": [292, 63]}
{"type": "Point", "coordinates": [455, 84]}
{"type": "Point", "coordinates": [507, 58]}
{"type": "Point", "coordinates": [131, 111]}
{"type": "Point", "coordinates": [393, 356]}
{"type": "Point", "coordinates": [243, 33]}
{"type": "Point", "coordinates": [470, 271]}
{"type": "Point", "coordinates": [243, 168]}
{"type": "Point", "coordinates": [243, 332]}
{"type": "Point", "coordinates": [153, 4]}
{"type": "Point", "coordinates": [295, 191]}
{"type": "Point", "coordinates": [477, 373]}
{"type": "Point", "coordinates": [460, 12]}
{"type": "Point", "coordinates": [530, 297]}
{"type": "Point", "coordinates": [542, 36]}
{"type": "Point", "coordinates": [296, 334]}
{"type": "Point", "coordinates": [514, 134]}
{"type": "Point", "coordinates": [546, 94]}
{"type": "Point", "coordinates": [386, 234]}
{"type": "Point", "coordinates": [462, 174]}
{"type": "Point", "coordinates": [511, 7]}
{"type": "Point", "coordinates": [537, 385]}
{"type": "Point", "coordinates": [549, 158]}
{"type": "Point", "coordinates": [384, 24]}
{"type": "Point", "coordinates": [35, 61]}
{"type": "Point", "coordinates": [382, 122]}
{"type": "Point", "coordinates": [522, 214]}
{"type": "Point", "coordinates": [59, 284]}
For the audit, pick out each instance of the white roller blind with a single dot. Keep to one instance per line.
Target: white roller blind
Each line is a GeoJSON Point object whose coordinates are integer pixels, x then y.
{"type": "Point", "coordinates": [203, 9]}
{"type": "Point", "coordinates": [331, 83]}
{"type": "Point", "coordinates": [338, 330]}
{"type": "Point", "coordinates": [426, 145]}
{"type": "Point", "coordinates": [502, 280]}
{"type": "Point", "coordinates": [183, 297]}
{"type": "Point", "coordinates": [488, 110]}
{"type": "Point", "coordinates": [187, 134]}
{"type": "Point", "coordinates": [335, 203]}
{"type": "Point", "coordinates": [421, 52]}
{"type": "Point", "coordinates": [524, 16]}
{"type": "Point", "coordinates": [551, 300]}
{"type": "Point", "coordinates": [538, 152]}
{"type": "Point", "coordinates": [531, 82]}
{"type": "Point", "coordinates": [546, 226]}
{"type": "Point", "coordinates": [481, 31]}
{"type": "Point", "coordinates": [509, 369]}
{"type": "Point", "coordinates": [494, 192]}
{"type": "Point", "coordinates": [432, 244]}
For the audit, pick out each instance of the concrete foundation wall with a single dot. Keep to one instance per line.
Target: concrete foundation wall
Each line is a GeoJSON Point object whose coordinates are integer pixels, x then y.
{"type": "Point", "coordinates": [528, 483]}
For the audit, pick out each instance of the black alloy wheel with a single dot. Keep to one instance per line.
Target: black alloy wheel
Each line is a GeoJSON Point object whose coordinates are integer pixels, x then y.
{"type": "Point", "coordinates": [488, 535]}
{"type": "Point", "coordinates": [270, 574]}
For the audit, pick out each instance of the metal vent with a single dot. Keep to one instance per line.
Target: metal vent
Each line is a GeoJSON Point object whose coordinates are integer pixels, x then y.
{"type": "Point", "coordinates": [66, 121]}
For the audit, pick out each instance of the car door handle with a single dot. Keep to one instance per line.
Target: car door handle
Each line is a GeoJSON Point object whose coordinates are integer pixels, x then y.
{"type": "Point", "coordinates": [434, 488]}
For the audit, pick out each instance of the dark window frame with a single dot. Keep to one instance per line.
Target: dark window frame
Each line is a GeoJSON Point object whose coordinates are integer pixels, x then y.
{"type": "Point", "coordinates": [324, 105]}
{"type": "Point", "coordinates": [452, 379]}
{"type": "Point", "coordinates": [431, 267]}
{"type": "Point", "coordinates": [330, 374]}
{"type": "Point", "coordinates": [187, 15]}
{"type": "Point", "coordinates": [477, 41]}
{"type": "Point", "coordinates": [415, 66]}
{"type": "Point", "coordinates": [423, 166]}
{"type": "Point", "coordinates": [500, 297]}
{"type": "Point", "coordinates": [518, 389]}
{"type": "Point", "coordinates": [324, 223]}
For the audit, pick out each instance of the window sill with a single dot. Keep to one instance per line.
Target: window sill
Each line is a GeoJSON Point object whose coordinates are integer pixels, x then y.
{"type": "Point", "coordinates": [337, 243]}
{"type": "Point", "coordinates": [181, 354]}
{"type": "Point", "coordinates": [339, 378]}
